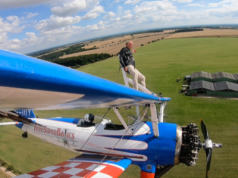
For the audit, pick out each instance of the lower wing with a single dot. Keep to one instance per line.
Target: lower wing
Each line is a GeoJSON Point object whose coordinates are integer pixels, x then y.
{"type": "Point", "coordinates": [87, 166]}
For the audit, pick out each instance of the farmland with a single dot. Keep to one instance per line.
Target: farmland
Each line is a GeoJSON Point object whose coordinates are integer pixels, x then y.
{"type": "Point", "coordinates": [206, 33]}
{"type": "Point", "coordinates": [113, 45]}
{"type": "Point", "coordinates": [161, 62]}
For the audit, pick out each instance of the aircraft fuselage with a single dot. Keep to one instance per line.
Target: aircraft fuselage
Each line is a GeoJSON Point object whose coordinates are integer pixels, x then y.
{"type": "Point", "coordinates": [137, 143]}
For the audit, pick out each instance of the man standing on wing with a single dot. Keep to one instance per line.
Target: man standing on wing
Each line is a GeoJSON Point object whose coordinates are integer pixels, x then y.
{"type": "Point", "coordinates": [128, 63]}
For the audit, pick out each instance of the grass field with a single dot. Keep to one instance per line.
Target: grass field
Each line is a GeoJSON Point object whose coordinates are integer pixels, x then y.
{"type": "Point", "coordinates": [161, 62]}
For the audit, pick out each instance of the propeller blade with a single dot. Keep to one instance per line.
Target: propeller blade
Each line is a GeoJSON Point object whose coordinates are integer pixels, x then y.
{"type": "Point", "coordinates": [204, 130]}
{"type": "Point", "coordinates": [209, 158]}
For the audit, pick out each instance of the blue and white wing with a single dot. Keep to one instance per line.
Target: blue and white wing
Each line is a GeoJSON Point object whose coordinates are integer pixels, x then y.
{"type": "Point", "coordinates": [29, 83]}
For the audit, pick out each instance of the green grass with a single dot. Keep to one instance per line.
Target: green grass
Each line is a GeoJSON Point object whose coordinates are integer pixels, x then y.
{"type": "Point", "coordinates": [161, 62]}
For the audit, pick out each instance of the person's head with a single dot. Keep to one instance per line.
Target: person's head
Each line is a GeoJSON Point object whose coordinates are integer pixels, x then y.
{"type": "Point", "coordinates": [89, 118]}
{"type": "Point", "coordinates": [129, 44]}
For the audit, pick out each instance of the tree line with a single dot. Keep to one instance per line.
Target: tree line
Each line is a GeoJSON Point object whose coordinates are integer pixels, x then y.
{"type": "Point", "coordinates": [70, 50]}
{"type": "Point", "coordinates": [78, 61]}
{"type": "Point", "coordinates": [188, 30]}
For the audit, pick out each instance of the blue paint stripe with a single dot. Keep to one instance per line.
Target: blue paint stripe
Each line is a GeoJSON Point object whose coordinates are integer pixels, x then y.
{"type": "Point", "coordinates": [125, 162]}
{"type": "Point", "coordinates": [20, 125]}
{"type": "Point", "coordinates": [67, 120]}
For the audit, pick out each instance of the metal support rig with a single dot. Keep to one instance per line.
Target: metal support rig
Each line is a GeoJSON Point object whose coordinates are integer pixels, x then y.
{"type": "Point", "coordinates": [155, 118]}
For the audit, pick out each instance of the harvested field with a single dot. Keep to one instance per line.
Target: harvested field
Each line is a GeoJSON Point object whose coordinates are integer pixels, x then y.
{"type": "Point", "coordinates": [114, 45]}
{"type": "Point", "coordinates": [108, 41]}
{"type": "Point", "coordinates": [206, 33]}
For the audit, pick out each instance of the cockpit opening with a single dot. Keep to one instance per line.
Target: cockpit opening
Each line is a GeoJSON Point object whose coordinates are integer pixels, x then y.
{"type": "Point", "coordinates": [111, 126]}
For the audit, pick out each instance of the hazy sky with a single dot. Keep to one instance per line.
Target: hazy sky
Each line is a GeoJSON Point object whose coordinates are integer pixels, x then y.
{"type": "Point", "coordinates": [31, 25]}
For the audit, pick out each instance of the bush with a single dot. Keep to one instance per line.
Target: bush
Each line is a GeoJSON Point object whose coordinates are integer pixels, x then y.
{"type": "Point", "coordinates": [10, 167]}
{"type": "Point", "coordinates": [77, 66]}
{"type": "Point", "coordinates": [17, 172]}
{"type": "Point", "coordinates": [142, 44]}
{"type": "Point", "coordinates": [3, 163]}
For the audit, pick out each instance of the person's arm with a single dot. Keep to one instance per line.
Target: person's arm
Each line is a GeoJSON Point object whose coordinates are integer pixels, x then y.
{"type": "Point", "coordinates": [122, 56]}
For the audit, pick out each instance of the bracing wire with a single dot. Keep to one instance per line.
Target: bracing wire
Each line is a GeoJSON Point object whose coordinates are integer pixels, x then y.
{"type": "Point", "coordinates": [84, 143]}
{"type": "Point", "coordinates": [116, 144]}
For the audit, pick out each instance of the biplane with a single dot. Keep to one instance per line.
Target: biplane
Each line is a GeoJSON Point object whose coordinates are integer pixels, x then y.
{"type": "Point", "coordinates": [105, 149]}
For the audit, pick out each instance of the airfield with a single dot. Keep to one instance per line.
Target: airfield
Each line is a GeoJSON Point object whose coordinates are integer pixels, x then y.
{"type": "Point", "coordinates": [162, 62]}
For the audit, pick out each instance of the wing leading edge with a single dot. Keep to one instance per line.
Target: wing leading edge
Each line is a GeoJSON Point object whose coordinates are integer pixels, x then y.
{"type": "Point", "coordinates": [29, 83]}
{"type": "Point", "coordinates": [87, 166]}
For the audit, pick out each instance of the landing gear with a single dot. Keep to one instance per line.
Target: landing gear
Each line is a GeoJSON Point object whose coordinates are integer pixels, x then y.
{"type": "Point", "coordinates": [25, 135]}
{"type": "Point", "coordinates": [161, 170]}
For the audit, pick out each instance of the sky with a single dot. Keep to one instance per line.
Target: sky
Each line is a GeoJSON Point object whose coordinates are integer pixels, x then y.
{"type": "Point", "coordinates": [32, 25]}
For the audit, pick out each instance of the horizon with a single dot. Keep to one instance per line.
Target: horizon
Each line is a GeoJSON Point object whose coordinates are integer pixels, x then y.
{"type": "Point", "coordinates": [125, 33]}
{"type": "Point", "coordinates": [30, 26]}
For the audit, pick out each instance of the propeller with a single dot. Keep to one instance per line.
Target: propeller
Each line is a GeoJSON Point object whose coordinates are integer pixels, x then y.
{"type": "Point", "coordinates": [208, 146]}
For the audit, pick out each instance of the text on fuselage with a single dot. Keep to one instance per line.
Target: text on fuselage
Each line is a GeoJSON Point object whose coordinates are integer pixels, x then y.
{"type": "Point", "coordinates": [54, 132]}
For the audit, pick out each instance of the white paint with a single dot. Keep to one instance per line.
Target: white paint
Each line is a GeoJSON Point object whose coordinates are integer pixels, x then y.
{"type": "Point", "coordinates": [9, 123]}
{"type": "Point", "coordinates": [90, 138]}
{"type": "Point", "coordinates": [14, 98]}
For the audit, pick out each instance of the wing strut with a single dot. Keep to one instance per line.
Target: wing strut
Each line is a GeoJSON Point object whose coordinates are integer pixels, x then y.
{"type": "Point", "coordinates": [154, 120]}
{"type": "Point", "coordinates": [161, 113]}
{"type": "Point", "coordinates": [120, 118]}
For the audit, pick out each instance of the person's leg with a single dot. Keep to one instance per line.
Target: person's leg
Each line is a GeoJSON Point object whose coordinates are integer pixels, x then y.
{"type": "Point", "coordinates": [134, 74]}
{"type": "Point", "coordinates": [141, 78]}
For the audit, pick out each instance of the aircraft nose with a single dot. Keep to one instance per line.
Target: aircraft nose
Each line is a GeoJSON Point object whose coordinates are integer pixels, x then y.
{"type": "Point", "coordinates": [167, 141]}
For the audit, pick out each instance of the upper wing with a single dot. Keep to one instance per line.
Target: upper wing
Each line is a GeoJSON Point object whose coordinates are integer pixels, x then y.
{"type": "Point", "coordinates": [29, 83]}
{"type": "Point", "coordinates": [88, 166]}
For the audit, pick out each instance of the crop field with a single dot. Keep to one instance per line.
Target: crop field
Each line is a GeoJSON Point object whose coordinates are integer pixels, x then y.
{"type": "Point", "coordinates": [114, 45]}
{"type": "Point", "coordinates": [206, 33]}
{"type": "Point", "coordinates": [161, 62]}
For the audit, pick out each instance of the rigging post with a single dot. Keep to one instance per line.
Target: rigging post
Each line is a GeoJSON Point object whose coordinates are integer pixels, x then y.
{"type": "Point", "coordinates": [154, 118]}
{"type": "Point", "coordinates": [161, 113]}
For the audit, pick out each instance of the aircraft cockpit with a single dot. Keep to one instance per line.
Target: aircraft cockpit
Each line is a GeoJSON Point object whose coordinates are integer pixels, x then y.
{"type": "Point", "coordinates": [111, 126]}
